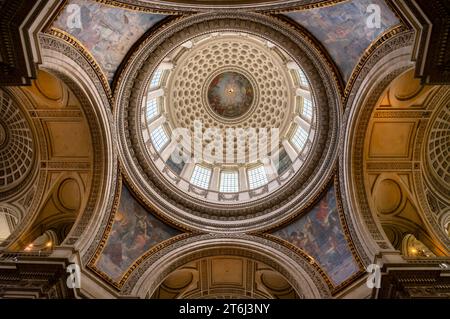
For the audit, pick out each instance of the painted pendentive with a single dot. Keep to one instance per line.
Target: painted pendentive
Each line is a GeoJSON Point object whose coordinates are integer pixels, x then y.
{"type": "Point", "coordinates": [320, 234]}
{"type": "Point", "coordinates": [107, 32]}
{"type": "Point", "coordinates": [344, 29]}
{"type": "Point", "coordinates": [134, 231]}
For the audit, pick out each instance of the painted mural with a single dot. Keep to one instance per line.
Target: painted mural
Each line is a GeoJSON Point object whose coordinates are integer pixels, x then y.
{"type": "Point", "coordinates": [134, 231]}
{"type": "Point", "coordinates": [107, 32]}
{"type": "Point", "coordinates": [320, 234]}
{"type": "Point", "coordinates": [344, 31]}
{"type": "Point", "coordinates": [230, 94]}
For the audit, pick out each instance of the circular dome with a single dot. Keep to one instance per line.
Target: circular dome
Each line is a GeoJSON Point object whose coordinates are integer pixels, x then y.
{"type": "Point", "coordinates": [16, 144]}
{"type": "Point", "coordinates": [2, 134]}
{"type": "Point", "coordinates": [226, 129]}
{"type": "Point", "coordinates": [438, 146]}
{"type": "Point", "coordinates": [230, 94]}
{"type": "Point", "coordinates": [222, 109]}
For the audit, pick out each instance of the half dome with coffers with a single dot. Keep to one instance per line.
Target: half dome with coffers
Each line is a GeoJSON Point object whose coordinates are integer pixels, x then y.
{"type": "Point", "coordinates": [228, 127]}
{"type": "Point", "coordinates": [17, 149]}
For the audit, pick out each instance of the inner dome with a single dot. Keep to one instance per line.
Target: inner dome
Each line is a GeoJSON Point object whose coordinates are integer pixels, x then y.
{"type": "Point", "coordinates": [228, 118]}
{"type": "Point", "coordinates": [230, 94]}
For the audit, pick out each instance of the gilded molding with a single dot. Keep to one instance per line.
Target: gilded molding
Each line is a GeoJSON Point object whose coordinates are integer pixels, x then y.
{"type": "Point", "coordinates": [183, 8]}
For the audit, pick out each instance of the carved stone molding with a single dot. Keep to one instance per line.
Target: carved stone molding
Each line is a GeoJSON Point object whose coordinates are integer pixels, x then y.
{"type": "Point", "coordinates": [415, 280]}
{"type": "Point", "coordinates": [177, 7]}
{"type": "Point", "coordinates": [304, 278]}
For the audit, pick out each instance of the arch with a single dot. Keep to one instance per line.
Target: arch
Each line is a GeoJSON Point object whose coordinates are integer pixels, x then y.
{"type": "Point", "coordinates": [386, 63]}
{"type": "Point", "coordinates": [305, 279]}
{"type": "Point", "coordinates": [65, 62]}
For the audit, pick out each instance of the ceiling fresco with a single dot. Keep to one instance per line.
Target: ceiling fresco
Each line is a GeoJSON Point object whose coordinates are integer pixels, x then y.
{"type": "Point", "coordinates": [134, 231]}
{"type": "Point", "coordinates": [230, 94]}
{"type": "Point", "coordinates": [343, 29]}
{"type": "Point", "coordinates": [320, 234]}
{"type": "Point", "coordinates": [107, 32]}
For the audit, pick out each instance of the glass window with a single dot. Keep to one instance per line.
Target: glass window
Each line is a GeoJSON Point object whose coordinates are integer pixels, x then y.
{"type": "Point", "coordinates": [159, 138]}
{"type": "Point", "coordinates": [229, 182]}
{"type": "Point", "coordinates": [201, 176]}
{"type": "Point", "coordinates": [152, 109]}
{"type": "Point", "coordinates": [176, 162]}
{"type": "Point", "coordinates": [284, 162]}
{"type": "Point", "coordinates": [307, 109]}
{"type": "Point", "coordinates": [257, 177]}
{"type": "Point", "coordinates": [299, 139]}
{"type": "Point", "coordinates": [303, 78]}
{"type": "Point", "coordinates": [156, 79]}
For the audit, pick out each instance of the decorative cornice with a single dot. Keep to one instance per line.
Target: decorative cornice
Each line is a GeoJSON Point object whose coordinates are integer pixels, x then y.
{"type": "Point", "coordinates": [171, 7]}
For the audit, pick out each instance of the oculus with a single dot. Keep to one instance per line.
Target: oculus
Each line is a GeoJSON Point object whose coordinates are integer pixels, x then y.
{"type": "Point", "coordinates": [230, 94]}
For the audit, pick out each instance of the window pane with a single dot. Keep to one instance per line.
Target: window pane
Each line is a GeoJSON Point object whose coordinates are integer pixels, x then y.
{"type": "Point", "coordinates": [299, 138]}
{"type": "Point", "coordinates": [152, 109]}
{"type": "Point", "coordinates": [307, 109]}
{"type": "Point", "coordinates": [284, 162]}
{"type": "Point", "coordinates": [201, 176]}
{"type": "Point", "coordinates": [156, 79]}
{"type": "Point", "coordinates": [229, 182]}
{"type": "Point", "coordinates": [303, 79]}
{"type": "Point", "coordinates": [257, 177]}
{"type": "Point", "coordinates": [176, 162]}
{"type": "Point", "coordinates": [159, 138]}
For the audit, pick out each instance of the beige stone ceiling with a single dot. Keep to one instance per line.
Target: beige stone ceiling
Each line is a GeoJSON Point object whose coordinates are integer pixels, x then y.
{"type": "Point", "coordinates": [394, 158]}
{"type": "Point", "coordinates": [64, 165]}
{"type": "Point", "coordinates": [225, 277]}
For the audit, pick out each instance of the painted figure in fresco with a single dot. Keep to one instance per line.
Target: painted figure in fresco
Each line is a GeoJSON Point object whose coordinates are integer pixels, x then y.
{"type": "Point", "coordinates": [118, 233]}
{"type": "Point", "coordinates": [321, 236]}
{"type": "Point", "coordinates": [230, 94]}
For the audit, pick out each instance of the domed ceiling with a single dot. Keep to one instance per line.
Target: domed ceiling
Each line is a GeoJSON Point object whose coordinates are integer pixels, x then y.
{"type": "Point", "coordinates": [226, 123]}
{"type": "Point", "coordinates": [225, 130]}
{"type": "Point", "coordinates": [17, 150]}
{"type": "Point", "coordinates": [225, 120]}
